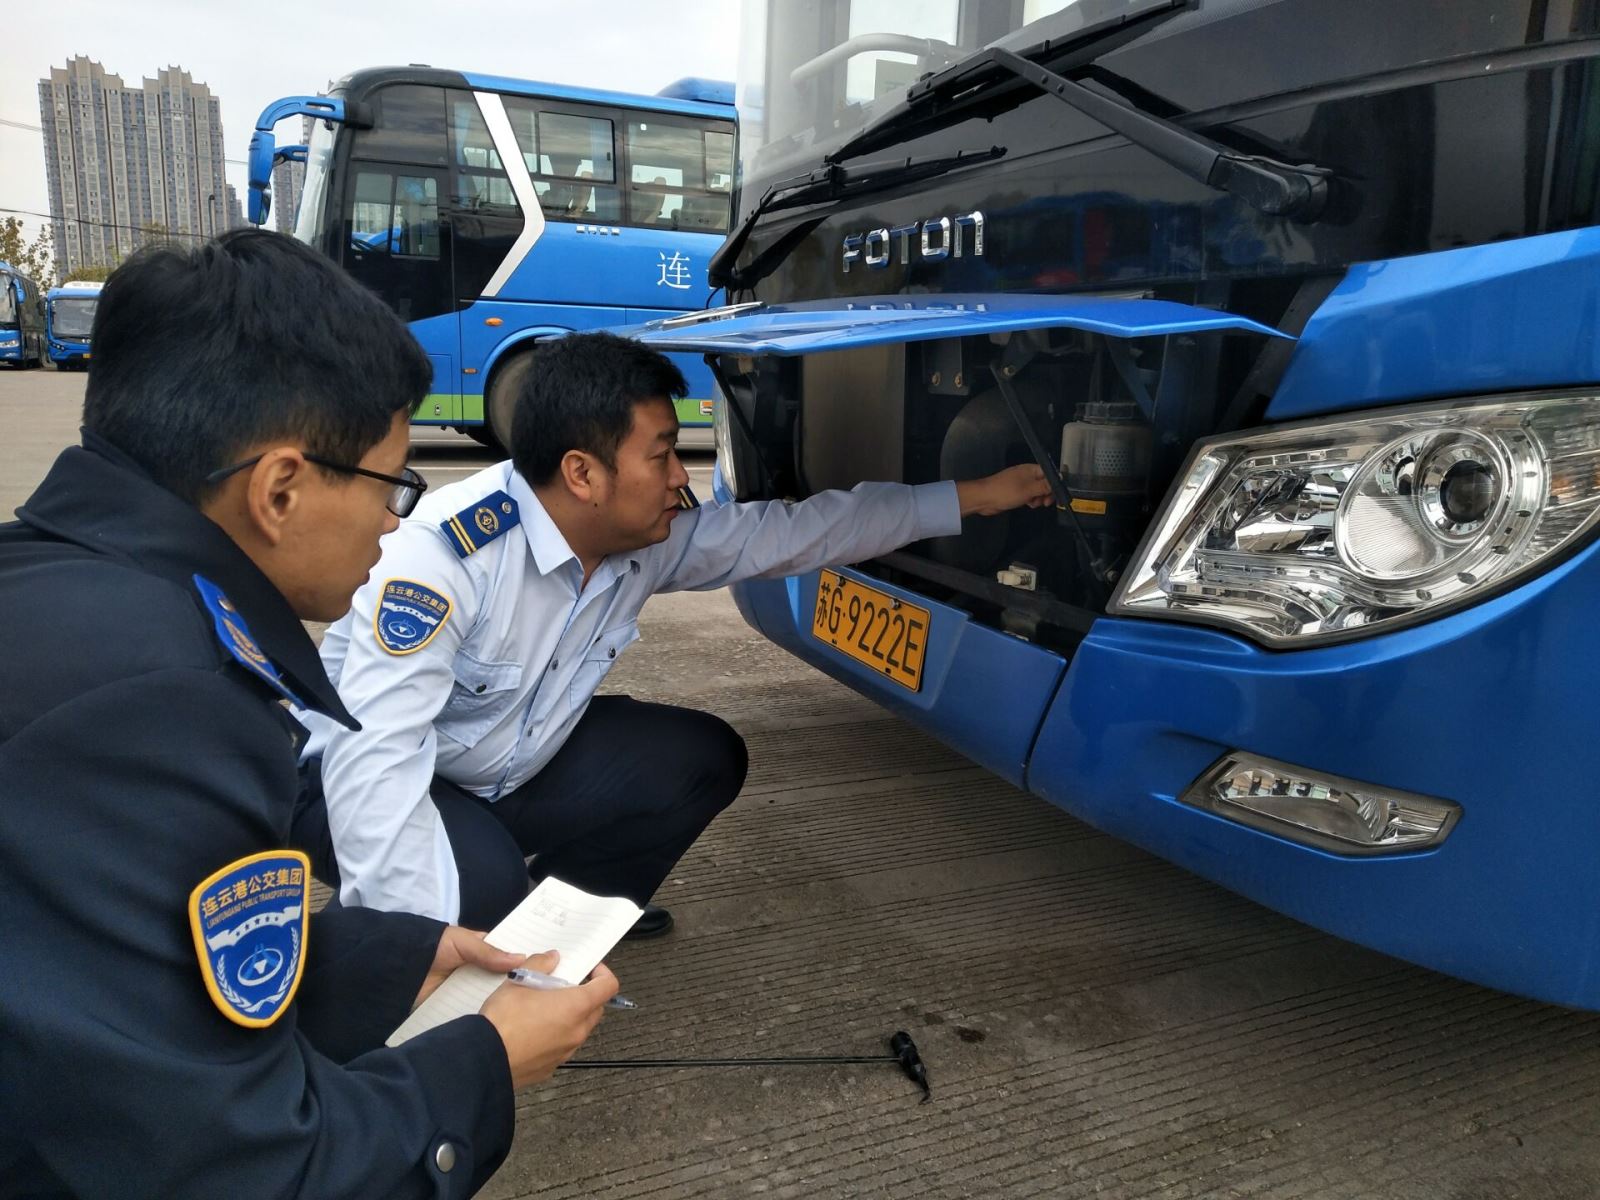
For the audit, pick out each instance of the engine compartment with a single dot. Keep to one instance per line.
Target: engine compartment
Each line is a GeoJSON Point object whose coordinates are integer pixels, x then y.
{"type": "Point", "coordinates": [1110, 420]}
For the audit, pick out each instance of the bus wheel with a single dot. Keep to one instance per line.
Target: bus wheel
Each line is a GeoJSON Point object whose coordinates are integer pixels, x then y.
{"type": "Point", "coordinates": [504, 389]}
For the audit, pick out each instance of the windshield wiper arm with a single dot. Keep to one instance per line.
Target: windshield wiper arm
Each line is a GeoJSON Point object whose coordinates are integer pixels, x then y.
{"type": "Point", "coordinates": [1278, 189]}
{"type": "Point", "coordinates": [786, 193]}
{"type": "Point", "coordinates": [830, 182]}
{"type": "Point", "coordinates": [975, 87]}
{"type": "Point", "coordinates": [995, 79]}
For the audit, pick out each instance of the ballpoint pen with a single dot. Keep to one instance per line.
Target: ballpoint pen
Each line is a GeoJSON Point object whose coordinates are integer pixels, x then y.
{"type": "Point", "coordinates": [528, 978]}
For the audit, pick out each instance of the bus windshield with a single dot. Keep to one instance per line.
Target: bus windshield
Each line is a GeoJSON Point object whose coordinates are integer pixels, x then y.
{"type": "Point", "coordinates": [8, 301]}
{"type": "Point", "coordinates": [73, 318]}
{"type": "Point", "coordinates": [813, 72]}
{"type": "Point", "coordinates": [319, 162]}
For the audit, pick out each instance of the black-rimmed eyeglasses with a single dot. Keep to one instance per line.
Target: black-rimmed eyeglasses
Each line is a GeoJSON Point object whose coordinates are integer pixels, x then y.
{"type": "Point", "coordinates": [407, 488]}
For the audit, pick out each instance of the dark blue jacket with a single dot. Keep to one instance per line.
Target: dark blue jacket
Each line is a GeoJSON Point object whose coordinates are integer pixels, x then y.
{"type": "Point", "coordinates": [138, 756]}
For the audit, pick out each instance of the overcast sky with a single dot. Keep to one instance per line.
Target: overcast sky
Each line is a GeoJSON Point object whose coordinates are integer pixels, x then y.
{"type": "Point", "coordinates": [248, 61]}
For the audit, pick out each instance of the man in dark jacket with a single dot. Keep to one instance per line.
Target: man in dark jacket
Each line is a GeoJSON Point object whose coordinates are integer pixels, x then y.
{"type": "Point", "coordinates": [172, 1021]}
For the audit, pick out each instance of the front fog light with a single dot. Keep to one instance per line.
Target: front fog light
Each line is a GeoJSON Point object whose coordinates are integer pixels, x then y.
{"type": "Point", "coordinates": [1320, 810]}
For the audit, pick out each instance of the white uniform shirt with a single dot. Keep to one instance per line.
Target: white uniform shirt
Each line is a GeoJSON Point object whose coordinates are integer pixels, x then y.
{"type": "Point", "coordinates": [490, 695]}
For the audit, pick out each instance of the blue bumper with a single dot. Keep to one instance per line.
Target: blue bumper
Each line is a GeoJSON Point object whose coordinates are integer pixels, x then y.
{"type": "Point", "coordinates": [1488, 707]}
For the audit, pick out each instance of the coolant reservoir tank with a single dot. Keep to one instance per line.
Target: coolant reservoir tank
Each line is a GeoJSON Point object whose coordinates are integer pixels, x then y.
{"type": "Point", "coordinates": [1105, 451]}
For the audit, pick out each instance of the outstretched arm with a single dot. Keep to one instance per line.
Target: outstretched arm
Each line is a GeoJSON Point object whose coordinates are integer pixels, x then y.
{"type": "Point", "coordinates": [715, 546]}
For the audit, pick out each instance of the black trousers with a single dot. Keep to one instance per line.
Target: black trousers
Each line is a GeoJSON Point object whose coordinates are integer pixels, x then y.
{"type": "Point", "coordinates": [612, 813]}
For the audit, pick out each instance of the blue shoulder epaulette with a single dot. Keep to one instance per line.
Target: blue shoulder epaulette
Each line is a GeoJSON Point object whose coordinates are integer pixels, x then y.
{"type": "Point", "coordinates": [475, 526]}
{"type": "Point", "coordinates": [235, 636]}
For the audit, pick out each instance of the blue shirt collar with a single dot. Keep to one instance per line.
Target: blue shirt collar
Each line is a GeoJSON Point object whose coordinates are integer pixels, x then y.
{"type": "Point", "coordinates": [546, 543]}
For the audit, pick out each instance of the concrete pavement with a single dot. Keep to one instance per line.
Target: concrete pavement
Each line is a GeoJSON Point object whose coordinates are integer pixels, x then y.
{"type": "Point", "coordinates": [1095, 1022]}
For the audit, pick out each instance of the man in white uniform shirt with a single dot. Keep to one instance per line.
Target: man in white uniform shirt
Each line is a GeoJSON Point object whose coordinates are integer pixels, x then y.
{"type": "Point", "coordinates": [472, 655]}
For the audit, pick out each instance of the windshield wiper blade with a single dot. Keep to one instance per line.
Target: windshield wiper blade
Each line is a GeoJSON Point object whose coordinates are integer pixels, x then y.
{"type": "Point", "coordinates": [828, 183]}
{"type": "Point", "coordinates": [976, 87]}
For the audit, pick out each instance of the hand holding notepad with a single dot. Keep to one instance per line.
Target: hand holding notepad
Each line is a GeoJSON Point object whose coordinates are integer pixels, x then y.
{"type": "Point", "coordinates": [554, 916]}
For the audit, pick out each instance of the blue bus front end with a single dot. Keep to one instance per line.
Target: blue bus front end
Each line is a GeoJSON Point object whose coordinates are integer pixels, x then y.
{"type": "Point", "coordinates": [1312, 614]}
{"type": "Point", "coordinates": [1476, 712]}
{"type": "Point", "coordinates": [69, 323]}
{"type": "Point", "coordinates": [22, 334]}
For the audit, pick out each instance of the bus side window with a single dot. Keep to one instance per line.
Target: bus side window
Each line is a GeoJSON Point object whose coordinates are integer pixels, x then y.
{"type": "Point", "coordinates": [478, 177]}
{"type": "Point", "coordinates": [396, 215]}
{"type": "Point", "coordinates": [663, 160]}
{"type": "Point", "coordinates": [573, 159]}
{"type": "Point", "coordinates": [372, 219]}
{"type": "Point", "coordinates": [416, 214]}
{"type": "Point", "coordinates": [719, 161]}
{"type": "Point", "coordinates": [680, 175]}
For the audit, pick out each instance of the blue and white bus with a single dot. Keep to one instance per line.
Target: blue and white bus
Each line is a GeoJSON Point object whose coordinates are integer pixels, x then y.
{"type": "Point", "coordinates": [1294, 302]}
{"type": "Point", "coordinates": [69, 320]}
{"type": "Point", "coordinates": [22, 339]}
{"type": "Point", "coordinates": [492, 212]}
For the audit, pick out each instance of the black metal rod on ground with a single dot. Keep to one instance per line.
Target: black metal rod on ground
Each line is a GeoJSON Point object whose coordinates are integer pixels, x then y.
{"type": "Point", "coordinates": [732, 1062]}
{"type": "Point", "coordinates": [902, 1052]}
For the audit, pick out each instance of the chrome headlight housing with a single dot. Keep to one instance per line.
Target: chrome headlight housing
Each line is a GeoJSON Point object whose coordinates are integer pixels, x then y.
{"type": "Point", "coordinates": [722, 438]}
{"type": "Point", "coordinates": [1332, 529]}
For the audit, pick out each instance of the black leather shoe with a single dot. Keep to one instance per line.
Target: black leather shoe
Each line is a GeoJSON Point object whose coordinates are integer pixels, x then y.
{"type": "Point", "coordinates": [655, 923]}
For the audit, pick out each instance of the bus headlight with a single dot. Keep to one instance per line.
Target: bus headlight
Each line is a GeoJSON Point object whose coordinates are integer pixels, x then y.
{"type": "Point", "coordinates": [1337, 528]}
{"type": "Point", "coordinates": [722, 437]}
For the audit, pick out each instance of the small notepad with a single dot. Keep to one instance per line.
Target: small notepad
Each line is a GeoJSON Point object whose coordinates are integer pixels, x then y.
{"type": "Point", "coordinates": [555, 916]}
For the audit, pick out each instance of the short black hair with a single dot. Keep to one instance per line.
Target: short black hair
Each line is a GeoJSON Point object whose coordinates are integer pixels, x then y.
{"type": "Point", "coordinates": [579, 395]}
{"type": "Point", "coordinates": [203, 352]}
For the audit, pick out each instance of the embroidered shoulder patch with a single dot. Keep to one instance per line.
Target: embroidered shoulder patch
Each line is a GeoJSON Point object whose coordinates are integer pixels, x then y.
{"type": "Point", "coordinates": [235, 636]}
{"type": "Point", "coordinates": [408, 615]}
{"type": "Point", "coordinates": [249, 922]}
{"type": "Point", "coordinates": [475, 526]}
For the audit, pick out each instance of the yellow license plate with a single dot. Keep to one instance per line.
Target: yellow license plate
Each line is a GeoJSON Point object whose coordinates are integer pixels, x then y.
{"type": "Point", "coordinates": [872, 627]}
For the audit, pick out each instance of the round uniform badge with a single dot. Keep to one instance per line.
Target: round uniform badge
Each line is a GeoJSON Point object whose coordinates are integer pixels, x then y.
{"type": "Point", "coordinates": [408, 616]}
{"type": "Point", "coordinates": [249, 922]}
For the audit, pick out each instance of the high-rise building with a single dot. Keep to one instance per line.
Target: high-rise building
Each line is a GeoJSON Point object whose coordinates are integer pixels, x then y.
{"type": "Point", "coordinates": [124, 164]}
{"type": "Point", "coordinates": [288, 181]}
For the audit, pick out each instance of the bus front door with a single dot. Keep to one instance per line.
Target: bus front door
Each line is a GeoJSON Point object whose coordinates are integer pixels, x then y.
{"type": "Point", "coordinates": [399, 245]}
